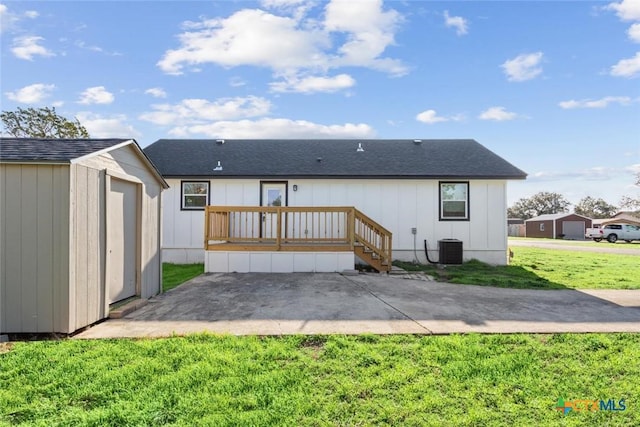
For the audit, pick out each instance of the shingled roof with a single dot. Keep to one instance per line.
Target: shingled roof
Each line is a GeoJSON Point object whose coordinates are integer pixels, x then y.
{"type": "Point", "coordinates": [51, 150]}
{"type": "Point", "coordinates": [329, 158]}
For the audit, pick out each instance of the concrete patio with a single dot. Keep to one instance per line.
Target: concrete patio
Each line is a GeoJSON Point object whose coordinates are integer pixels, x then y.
{"type": "Point", "coordinates": [329, 303]}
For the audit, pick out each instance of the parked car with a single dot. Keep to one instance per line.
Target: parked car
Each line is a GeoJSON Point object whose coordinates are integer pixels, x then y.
{"type": "Point", "coordinates": [614, 232]}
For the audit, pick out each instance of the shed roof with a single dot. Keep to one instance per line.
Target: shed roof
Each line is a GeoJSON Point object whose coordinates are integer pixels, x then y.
{"type": "Point", "coordinates": [55, 150]}
{"type": "Point", "coordinates": [330, 158]}
{"type": "Point", "coordinates": [52, 150]}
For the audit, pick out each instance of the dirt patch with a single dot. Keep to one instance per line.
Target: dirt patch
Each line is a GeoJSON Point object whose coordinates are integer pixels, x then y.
{"type": "Point", "coordinates": [5, 347]}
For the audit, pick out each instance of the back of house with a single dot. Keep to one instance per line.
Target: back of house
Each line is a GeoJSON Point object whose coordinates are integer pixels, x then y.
{"type": "Point", "coordinates": [417, 189]}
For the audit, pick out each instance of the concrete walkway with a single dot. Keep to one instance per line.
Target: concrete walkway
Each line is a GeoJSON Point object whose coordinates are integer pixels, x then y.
{"type": "Point", "coordinates": [304, 303]}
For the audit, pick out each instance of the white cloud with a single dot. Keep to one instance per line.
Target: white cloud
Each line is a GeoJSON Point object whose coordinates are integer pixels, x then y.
{"type": "Point", "coordinates": [274, 128]}
{"type": "Point", "coordinates": [237, 81]}
{"type": "Point", "coordinates": [430, 117]}
{"type": "Point", "coordinates": [314, 84]}
{"type": "Point", "coordinates": [627, 67]}
{"type": "Point", "coordinates": [291, 45]}
{"type": "Point", "coordinates": [595, 103]}
{"type": "Point", "coordinates": [369, 31]}
{"type": "Point", "coordinates": [32, 94]}
{"type": "Point", "coordinates": [457, 22]}
{"type": "Point", "coordinates": [523, 67]}
{"type": "Point", "coordinates": [634, 33]}
{"type": "Point", "coordinates": [248, 37]}
{"type": "Point", "coordinates": [31, 14]}
{"type": "Point", "coordinates": [96, 95]}
{"type": "Point", "coordinates": [26, 47]}
{"type": "Point", "coordinates": [498, 114]}
{"type": "Point", "coordinates": [201, 111]}
{"type": "Point", "coordinates": [7, 19]}
{"type": "Point", "coordinates": [114, 126]}
{"type": "Point", "coordinates": [627, 10]}
{"type": "Point", "coordinates": [156, 92]}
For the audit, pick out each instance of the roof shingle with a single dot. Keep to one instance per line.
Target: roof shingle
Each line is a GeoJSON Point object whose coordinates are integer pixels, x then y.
{"type": "Point", "coordinates": [330, 158]}
{"type": "Point", "coordinates": [51, 150]}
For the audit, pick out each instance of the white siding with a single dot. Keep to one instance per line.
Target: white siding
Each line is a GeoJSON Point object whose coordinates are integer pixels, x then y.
{"type": "Point", "coordinates": [398, 205]}
{"type": "Point", "coordinates": [34, 250]}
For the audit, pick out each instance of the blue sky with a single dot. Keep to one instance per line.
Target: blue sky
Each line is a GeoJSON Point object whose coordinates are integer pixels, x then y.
{"type": "Point", "coordinates": [553, 87]}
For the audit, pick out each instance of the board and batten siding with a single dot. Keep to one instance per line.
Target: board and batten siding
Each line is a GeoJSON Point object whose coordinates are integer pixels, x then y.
{"type": "Point", "coordinates": [396, 204]}
{"type": "Point", "coordinates": [34, 269]}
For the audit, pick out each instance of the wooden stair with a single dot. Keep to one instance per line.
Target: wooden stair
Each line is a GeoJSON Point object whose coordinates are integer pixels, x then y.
{"type": "Point", "coordinates": [372, 242]}
{"type": "Point", "coordinates": [371, 258]}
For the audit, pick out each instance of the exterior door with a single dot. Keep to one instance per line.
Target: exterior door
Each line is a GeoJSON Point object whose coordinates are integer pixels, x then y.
{"type": "Point", "coordinates": [122, 238]}
{"type": "Point", "coordinates": [272, 194]}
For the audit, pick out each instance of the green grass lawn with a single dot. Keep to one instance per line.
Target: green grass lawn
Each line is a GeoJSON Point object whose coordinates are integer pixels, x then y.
{"type": "Point", "coordinates": [603, 244]}
{"type": "Point", "coordinates": [538, 268]}
{"type": "Point", "coordinates": [176, 274]}
{"type": "Point", "coordinates": [462, 380]}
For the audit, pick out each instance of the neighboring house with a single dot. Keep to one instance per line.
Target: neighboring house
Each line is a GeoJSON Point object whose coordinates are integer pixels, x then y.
{"type": "Point", "coordinates": [416, 189]}
{"type": "Point", "coordinates": [620, 217]}
{"type": "Point", "coordinates": [80, 229]}
{"type": "Point", "coordinates": [558, 226]}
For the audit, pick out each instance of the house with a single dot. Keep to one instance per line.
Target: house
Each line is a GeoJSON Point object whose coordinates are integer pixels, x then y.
{"type": "Point", "coordinates": [80, 225]}
{"type": "Point", "coordinates": [279, 192]}
{"type": "Point", "coordinates": [621, 217]}
{"type": "Point", "coordinates": [558, 226]}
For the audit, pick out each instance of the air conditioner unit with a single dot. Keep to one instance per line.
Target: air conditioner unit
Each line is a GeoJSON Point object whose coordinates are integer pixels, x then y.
{"type": "Point", "coordinates": [450, 251]}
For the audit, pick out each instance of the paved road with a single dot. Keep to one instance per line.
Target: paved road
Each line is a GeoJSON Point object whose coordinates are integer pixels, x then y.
{"type": "Point", "coordinates": [307, 303]}
{"type": "Point", "coordinates": [618, 248]}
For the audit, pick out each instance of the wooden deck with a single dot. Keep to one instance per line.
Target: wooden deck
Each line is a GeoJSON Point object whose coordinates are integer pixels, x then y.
{"type": "Point", "coordinates": [304, 229]}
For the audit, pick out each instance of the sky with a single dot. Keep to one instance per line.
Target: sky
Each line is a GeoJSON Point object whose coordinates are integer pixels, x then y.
{"type": "Point", "coordinates": [551, 86]}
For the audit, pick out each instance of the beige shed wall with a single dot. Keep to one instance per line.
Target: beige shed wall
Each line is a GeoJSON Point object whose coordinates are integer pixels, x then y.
{"type": "Point", "coordinates": [34, 248]}
{"type": "Point", "coordinates": [125, 163]}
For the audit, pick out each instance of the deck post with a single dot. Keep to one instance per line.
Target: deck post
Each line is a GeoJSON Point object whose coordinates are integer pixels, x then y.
{"type": "Point", "coordinates": [351, 225]}
{"type": "Point", "coordinates": [206, 228]}
{"type": "Point", "coordinates": [279, 228]}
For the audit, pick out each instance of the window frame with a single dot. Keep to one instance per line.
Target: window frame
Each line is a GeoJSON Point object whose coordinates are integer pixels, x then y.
{"type": "Point", "coordinates": [541, 227]}
{"type": "Point", "coordinates": [441, 215]}
{"type": "Point", "coordinates": [182, 195]}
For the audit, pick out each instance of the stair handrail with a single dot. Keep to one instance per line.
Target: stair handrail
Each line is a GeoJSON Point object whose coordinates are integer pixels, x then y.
{"type": "Point", "coordinates": [384, 249]}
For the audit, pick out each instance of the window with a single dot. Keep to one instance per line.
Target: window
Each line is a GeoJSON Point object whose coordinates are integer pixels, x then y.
{"type": "Point", "coordinates": [195, 195]}
{"type": "Point", "coordinates": [542, 226]}
{"type": "Point", "coordinates": [454, 201]}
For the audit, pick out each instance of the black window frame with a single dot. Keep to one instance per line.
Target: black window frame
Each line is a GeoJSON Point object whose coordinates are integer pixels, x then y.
{"type": "Point", "coordinates": [467, 202]}
{"type": "Point", "coordinates": [197, 208]}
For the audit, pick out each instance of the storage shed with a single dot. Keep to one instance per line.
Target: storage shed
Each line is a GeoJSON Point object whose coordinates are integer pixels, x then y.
{"type": "Point", "coordinates": [568, 226]}
{"type": "Point", "coordinates": [80, 225]}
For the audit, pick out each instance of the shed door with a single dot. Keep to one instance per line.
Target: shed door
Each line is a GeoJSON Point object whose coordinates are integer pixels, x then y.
{"type": "Point", "coordinates": [122, 229]}
{"type": "Point", "coordinates": [573, 230]}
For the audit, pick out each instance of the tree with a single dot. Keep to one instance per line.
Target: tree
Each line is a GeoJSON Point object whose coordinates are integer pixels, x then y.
{"type": "Point", "coordinates": [629, 202]}
{"type": "Point", "coordinates": [41, 123]}
{"type": "Point", "coordinates": [595, 208]}
{"type": "Point", "coordinates": [540, 203]}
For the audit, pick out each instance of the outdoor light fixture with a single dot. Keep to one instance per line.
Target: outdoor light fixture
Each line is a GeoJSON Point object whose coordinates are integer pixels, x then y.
{"type": "Point", "coordinates": [295, 187]}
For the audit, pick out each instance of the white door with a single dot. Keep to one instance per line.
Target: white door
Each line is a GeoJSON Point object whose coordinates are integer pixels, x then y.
{"type": "Point", "coordinates": [273, 194]}
{"type": "Point", "coordinates": [122, 238]}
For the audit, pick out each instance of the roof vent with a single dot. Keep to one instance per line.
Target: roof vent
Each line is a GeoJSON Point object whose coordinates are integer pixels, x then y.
{"type": "Point", "coordinates": [417, 141]}
{"type": "Point", "coordinates": [220, 141]}
{"type": "Point", "coordinates": [360, 149]}
{"type": "Point", "coordinates": [319, 159]}
{"type": "Point", "coordinates": [219, 167]}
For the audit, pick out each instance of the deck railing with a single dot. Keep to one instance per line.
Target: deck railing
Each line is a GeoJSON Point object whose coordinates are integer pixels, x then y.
{"type": "Point", "coordinates": [294, 228]}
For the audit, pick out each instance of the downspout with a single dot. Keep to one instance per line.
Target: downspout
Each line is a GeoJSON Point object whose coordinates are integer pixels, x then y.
{"type": "Point", "coordinates": [554, 228]}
